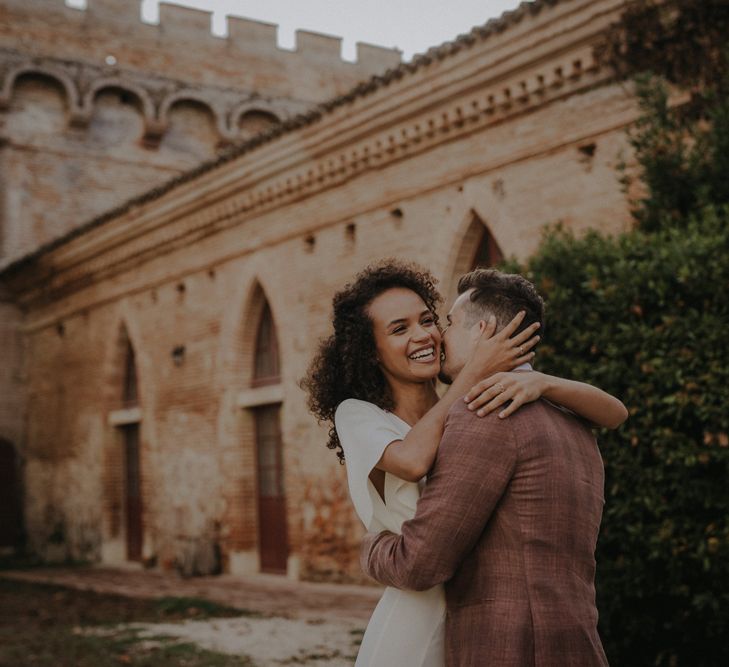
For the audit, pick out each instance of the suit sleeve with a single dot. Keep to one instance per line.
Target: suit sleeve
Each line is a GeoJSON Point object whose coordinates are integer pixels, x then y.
{"type": "Point", "coordinates": [475, 462]}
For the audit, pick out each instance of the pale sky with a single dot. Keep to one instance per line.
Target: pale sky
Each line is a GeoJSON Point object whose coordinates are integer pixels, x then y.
{"type": "Point", "coordinates": [411, 25]}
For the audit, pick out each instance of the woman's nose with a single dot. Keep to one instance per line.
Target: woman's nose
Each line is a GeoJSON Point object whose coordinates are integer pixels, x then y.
{"type": "Point", "coordinates": [421, 333]}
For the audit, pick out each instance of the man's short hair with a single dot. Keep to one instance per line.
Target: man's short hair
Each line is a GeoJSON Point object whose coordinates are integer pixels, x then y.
{"type": "Point", "coordinates": [502, 295]}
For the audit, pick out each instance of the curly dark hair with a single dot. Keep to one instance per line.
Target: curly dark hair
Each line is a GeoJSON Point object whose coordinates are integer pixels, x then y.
{"type": "Point", "coordinates": [345, 366]}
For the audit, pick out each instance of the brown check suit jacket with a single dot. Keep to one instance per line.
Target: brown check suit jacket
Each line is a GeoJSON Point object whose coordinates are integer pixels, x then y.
{"type": "Point", "coordinates": [509, 520]}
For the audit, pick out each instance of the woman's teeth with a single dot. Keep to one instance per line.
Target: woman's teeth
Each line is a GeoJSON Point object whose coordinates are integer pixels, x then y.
{"type": "Point", "coordinates": [427, 354]}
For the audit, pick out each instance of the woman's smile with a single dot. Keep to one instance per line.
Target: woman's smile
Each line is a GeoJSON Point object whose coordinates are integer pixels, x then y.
{"type": "Point", "coordinates": [425, 354]}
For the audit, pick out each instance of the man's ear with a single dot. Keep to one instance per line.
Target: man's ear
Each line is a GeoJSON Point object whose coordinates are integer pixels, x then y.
{"type": "Point", "coordinates": [477, 329]}
{"type": "Point", "coordinates": [487, 324]}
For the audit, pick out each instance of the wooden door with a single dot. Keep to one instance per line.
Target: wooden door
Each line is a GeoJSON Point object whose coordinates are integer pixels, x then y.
{"type": "Point", "coordinates": [133, 492]}
{"type": "Point", "coordinates": [9, 497]}
{"type": "Point", "coordinates": [272, 532]}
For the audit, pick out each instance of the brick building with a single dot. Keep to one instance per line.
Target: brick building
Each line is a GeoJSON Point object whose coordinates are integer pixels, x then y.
{"type": "Point", "coordinates": [152, 353]}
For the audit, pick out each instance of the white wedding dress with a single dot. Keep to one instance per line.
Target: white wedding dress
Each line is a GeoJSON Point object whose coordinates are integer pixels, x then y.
{"type": "Point", "coordinates": [407, 627]}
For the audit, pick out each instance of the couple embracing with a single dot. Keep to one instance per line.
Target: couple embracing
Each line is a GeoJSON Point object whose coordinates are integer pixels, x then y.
{"type": "Point", "coordinates": [483, 506]}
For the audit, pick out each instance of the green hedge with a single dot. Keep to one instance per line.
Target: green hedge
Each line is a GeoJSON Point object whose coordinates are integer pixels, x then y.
{"type": "Point", "coordinates": [646, 317]}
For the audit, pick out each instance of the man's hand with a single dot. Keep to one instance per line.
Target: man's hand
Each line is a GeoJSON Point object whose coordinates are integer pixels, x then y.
{"type": "Point", "coordinates": [502, 351]}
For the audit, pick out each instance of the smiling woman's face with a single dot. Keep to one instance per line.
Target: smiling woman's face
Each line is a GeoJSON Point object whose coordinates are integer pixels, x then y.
{"type": "Point", "coordinates": [407, 338]}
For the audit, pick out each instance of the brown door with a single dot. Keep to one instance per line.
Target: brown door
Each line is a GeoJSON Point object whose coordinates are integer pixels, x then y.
{"type": "Point", "coordinates": [133, 492]}
{"type": "Point", "coordinates": [273, 542]}
{"type": "Point", "coordinates": [9, 497]}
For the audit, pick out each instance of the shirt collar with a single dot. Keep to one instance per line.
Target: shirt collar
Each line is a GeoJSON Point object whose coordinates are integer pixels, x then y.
{"type": "Point", "coordinates": [524, 367]}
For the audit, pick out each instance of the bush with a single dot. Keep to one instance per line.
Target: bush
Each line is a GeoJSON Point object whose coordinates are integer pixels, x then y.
{"type": "Point", "coordinates": [645, 316]}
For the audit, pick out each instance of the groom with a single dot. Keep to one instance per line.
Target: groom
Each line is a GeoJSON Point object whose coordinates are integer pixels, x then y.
{"type": "Point", "coordinates": [508, 518]}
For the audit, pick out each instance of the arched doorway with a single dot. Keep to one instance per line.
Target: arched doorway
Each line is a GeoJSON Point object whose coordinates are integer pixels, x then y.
{"type": "Point", "coordinates": [272, 525]}
{"type": "Point", "coordinates": [124, 485]}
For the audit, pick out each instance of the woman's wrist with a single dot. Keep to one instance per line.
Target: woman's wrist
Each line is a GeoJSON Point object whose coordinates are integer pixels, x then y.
{"type": "Point", "coordinates": [469, 375]}
{"type": "Point", "coordinates": [547, 384]}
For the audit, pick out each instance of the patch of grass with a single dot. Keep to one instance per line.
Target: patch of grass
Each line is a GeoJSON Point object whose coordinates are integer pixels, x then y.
{"type": "Point", "coordinates": [51, 626]}
{"type": "Point", "coordinates": [191, 607]}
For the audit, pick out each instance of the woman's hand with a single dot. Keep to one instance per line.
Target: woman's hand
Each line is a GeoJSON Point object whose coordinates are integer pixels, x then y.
{"type": "Point", "coordinates": [519, 387]}
{"type": "Point", "coordinates": [500, 352]}
{"type": "Point", "coordinates": [593, 404]}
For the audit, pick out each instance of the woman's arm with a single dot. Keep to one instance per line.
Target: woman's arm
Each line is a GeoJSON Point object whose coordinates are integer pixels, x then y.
{"type": "Point", "coordinates": [591, 403]}
{"type": "Point", "coordinates": [411, 458]}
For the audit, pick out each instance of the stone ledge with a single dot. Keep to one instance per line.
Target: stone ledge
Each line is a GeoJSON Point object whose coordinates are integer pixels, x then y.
{"type": "Point", "coordinates": [252, 398]}
{"type": "Point", "coordinates": [125, 416]}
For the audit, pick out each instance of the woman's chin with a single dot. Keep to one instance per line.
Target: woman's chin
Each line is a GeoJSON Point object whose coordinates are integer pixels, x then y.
{"type": "Point", "coordinates": [427, 371]}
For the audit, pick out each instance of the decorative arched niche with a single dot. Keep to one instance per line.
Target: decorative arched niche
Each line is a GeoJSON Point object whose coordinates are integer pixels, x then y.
{"type": "Point", "coordinates": [253, 122]}
{"type": "Point", "coordinates": [37, 101]}
{"type": "Point", "coordinates": [191, 127]}
{"type": "Point", "coordinates": [117, 115]}
{"type": "Point", "coordinates": [478, 249]}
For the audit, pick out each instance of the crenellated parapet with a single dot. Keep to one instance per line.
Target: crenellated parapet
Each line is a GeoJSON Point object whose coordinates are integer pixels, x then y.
{"type": "Point", "coordinates": [106, 98]}
{"type": "Point", "coordinates": [114, 28]}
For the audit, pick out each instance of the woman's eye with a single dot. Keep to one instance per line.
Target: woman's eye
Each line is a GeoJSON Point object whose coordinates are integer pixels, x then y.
{"type": "Point", "coordinates": [429, 321]}
{"type": "Point", "coordinates": [398, 330]}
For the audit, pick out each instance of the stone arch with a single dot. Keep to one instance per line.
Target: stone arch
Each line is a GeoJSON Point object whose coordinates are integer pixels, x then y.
{"type": "Point", "coordinates": [38, 106]}
{"type": "Point", "coordinates": [123, 335]}
{"type": "Point", "coordinates": [191, 126]}
{"type": "Point", "coordinates": [238, 328]}
{"type": "Point", "coordinates": [113, 120]}
{"type": "Point", "coordinates": [474, 242]}
{"type": "Point", "coordinates": [190, 96]}
{"type": "Point", "coordinates": [251, 118]}
{"type": "Point", "coordinates": [63, 80]}
{"type": "Point", "coordinates": [256, 305]}
{"type": "Point", "coordinates": [144, 101]}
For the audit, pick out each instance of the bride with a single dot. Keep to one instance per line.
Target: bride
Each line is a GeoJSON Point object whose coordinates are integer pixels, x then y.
{"type": "Point", "coordinates": [373, 381]}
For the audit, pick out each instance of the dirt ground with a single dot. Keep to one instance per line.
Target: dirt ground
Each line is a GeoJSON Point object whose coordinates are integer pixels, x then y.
{"type": "Point", "coordinates": [91, 617]}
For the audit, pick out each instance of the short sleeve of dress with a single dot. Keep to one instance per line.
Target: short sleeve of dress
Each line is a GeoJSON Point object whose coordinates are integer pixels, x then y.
{"type": "Point", "coordinates": [364, 431]}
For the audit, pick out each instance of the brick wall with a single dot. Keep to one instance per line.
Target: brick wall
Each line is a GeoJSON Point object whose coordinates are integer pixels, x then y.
{"type": "Point", "coordinates": [411, 170]}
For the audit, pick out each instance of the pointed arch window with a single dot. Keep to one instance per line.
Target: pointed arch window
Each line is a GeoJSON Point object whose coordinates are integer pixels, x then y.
{"type": "Point", "coordinates": [487, 252]}
{"type": "Point", "coordinates": [130, 396]}
{"type": "Point", "coordinates": [266, 368]}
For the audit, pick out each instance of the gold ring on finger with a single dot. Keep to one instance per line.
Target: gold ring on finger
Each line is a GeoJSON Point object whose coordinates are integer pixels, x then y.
{"type": "Point", "coordinates": [521, 350]}
{"type": "Point", "coordinates": [500, 387]}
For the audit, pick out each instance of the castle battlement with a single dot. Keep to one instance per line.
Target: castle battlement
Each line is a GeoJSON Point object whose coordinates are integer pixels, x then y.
{"type": "Point", "coordinates": [176, 22]}
{"type": "Point", "coordinates": [116, 105]}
